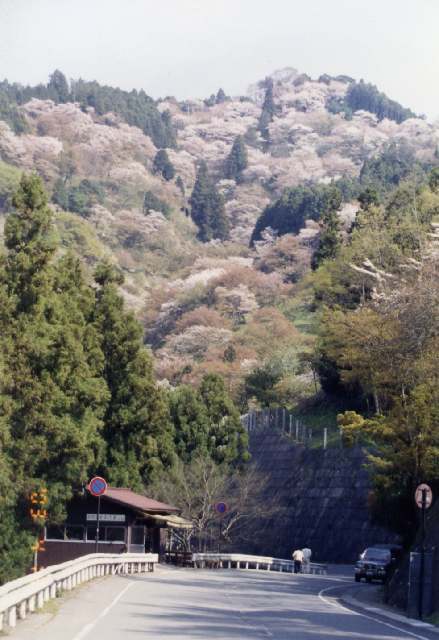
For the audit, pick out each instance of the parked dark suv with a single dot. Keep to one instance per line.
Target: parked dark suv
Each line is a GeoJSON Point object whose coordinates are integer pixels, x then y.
{"type": "Point", "coordinates": [376, 563]}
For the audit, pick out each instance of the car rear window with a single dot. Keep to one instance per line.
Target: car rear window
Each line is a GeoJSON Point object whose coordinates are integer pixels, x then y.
{"type": "Point", "coordinates": [376, 554]}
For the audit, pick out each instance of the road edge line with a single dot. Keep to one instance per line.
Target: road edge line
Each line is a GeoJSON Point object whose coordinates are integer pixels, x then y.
{"type": "Point", "coordinates": [365, 615]}
{"type": "Point", "coordinates": [90, 625]}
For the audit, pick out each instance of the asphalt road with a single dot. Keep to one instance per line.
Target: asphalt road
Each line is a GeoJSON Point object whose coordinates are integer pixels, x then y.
{"type": "Point", "coordinates": [188, 604]}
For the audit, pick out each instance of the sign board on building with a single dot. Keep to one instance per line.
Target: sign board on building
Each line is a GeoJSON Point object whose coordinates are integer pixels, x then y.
{"type": "Point", "coordinates": [423, 490]}
{"type": "Point", "coordinates": [106, 517]}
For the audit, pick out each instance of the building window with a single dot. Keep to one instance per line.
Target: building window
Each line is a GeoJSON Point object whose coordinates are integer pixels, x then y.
{"type": "Point", "coordinates": [115, 534]}
{"type": "Point", "coordinates": [74, 532]}
{"type": "Point", "coordinates": [91, 533]}
{"type": "Point", "coordinates": [138, 535]}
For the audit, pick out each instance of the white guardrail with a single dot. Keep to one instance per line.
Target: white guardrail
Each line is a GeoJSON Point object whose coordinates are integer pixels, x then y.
{"type": "Point", "coordinates": [25, 595]}
{"type": "Point", "coordinates": [239, 561]}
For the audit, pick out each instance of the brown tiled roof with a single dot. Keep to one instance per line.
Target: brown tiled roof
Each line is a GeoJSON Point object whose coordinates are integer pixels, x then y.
{"type": "Point", "coordinates": [137, 501]}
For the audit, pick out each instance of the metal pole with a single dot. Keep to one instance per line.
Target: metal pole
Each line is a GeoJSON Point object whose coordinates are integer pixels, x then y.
{"type": "Point", "coordinates": [421, 568]}
{"type": "Point", "coordinates": [325, 437]}
{"type": "Point", "coordinates": [97, 524]}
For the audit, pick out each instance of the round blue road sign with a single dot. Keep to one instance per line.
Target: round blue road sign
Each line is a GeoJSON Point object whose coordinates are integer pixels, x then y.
{"type": "Point", "coordinates": [221, 507]}
{"type": "Point", "coordinates": [97, 486]}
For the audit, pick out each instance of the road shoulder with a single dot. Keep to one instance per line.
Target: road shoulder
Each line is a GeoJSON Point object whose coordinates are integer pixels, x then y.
{"type": "Point", "coordinates": [356, 600]}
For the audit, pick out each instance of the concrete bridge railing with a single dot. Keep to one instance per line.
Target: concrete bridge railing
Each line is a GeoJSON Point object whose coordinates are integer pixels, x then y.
{"type": "Point", "coordinates": [25, 595]}
{"type": "Point", "coordinates": [239, 561]}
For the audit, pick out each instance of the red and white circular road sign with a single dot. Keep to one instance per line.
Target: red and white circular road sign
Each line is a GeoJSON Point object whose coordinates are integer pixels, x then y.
{"type": "Point", "coordinates": [428, 495]}
{"type": "Point", "coordinates": [97, 486]}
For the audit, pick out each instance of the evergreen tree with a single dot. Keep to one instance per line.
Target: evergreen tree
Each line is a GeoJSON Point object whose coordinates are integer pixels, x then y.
{"type": "Point", "coordinates": [329, 240]}
{"type": "Point", "coordinates": [289, 213]}
{"type": "Point", "coordinates": [151, 202]}
{"type": "Point", "coordinates": [207, 208]}
{"type": "Point", "coordinates": [369, 197]}
{"type": "Point", "coordinates": [52, 394]}
{"type": "Point", "coordinates": [58, 87]}
{"type": "Point", "coordinates": [191, 423]}
{"type": "Point", "coordinates": [237, 160]}
{"type": "Point", "coordinates": [268, 110]}
{"type": "Point", "coordinates": [220, 96]}
{"type": "Point", "coordinates": [180, 184]}
{"type": "Point", "coordinates": [138, 431]}
{"type": "Point", "coordinates": [228, 439]}
{"type": "Point", "coordinates": [30, 243]}
{"type": "Point", "coordinates": [163, 165]}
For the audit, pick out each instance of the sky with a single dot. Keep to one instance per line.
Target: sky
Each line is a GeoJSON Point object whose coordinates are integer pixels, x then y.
{"type": "Point", "coordinates": [190, 48]}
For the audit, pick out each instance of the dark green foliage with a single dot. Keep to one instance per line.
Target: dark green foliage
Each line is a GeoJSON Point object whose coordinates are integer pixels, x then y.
{"type": "Point", "coordinates": [151, 202]}
{"type": "Point", "coordinates": [288, 214]}
{"type": "Point", "coordinates": [163, 166]}
{"type": "Point", "coordinates": [386, 170]}
{"type": "Point", "coordinates": [268, 110]}
{"type": "Point", "coordinates": [365, 96]}
{"type": "Point", "coordinates": [228, 439]}
{"type": "Point", "coordinates": [260, 384]}
{"type": "Point", "coordinates": [329, 240]}
{"type": "Point", "coordinates": [207, 208]}
{"type": "Point", "coordinates": [58, 87]}
{"type": "Point", "coordinates": [135, 107]}
{"type": "Point", "coordinates": [349, 188]}
{"type": "Point", "coordinates": [362, 95]}
{"type": "Point", "coordinates": [78, 198]}
{"type": "Point", "coordinates": [191, 423]}
{"type": "Point", "coordinates": [9, 112]}
{"type": "Point", "coordinates": [237, 160]}
{"type": "Point", "coordinates": [180, 184]}
{"type": "Point", "coordinates": [369, 197]}
{"type": "Point", "coordinates": [30, 244]}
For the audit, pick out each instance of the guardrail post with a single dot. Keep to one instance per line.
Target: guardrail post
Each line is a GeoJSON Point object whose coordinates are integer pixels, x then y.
{"type": "Point", "coordinates": [31, 604]}
{"type": "Point", "coordinates": [22, 610]}
{"type": "Point", "coordinates": [12, 617]}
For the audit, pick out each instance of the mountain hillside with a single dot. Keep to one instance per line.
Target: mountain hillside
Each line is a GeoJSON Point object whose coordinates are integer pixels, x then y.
{"type": "Point", "coordinates": [220, 304]}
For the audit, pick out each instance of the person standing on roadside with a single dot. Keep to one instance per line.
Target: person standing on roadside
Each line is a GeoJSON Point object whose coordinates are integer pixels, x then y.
{"type": "Point", "coordinates": [307, 553]}
{"type": "Point", "coordinates": [298, 560]}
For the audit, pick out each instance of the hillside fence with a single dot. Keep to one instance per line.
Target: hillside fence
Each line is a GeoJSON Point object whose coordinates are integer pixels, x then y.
{"type": "Point", "coordinates": [281, 420]}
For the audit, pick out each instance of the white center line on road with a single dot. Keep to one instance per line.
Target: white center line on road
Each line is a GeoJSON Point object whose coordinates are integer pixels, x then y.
{"type": "Point", "coordinates": [377, 620]}
{"type": "Point", "coordinates": [88, 627]}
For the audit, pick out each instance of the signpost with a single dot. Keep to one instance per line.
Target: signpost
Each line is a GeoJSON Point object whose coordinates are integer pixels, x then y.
{"type": "Point", "coordinates": [423, 499]}
{"type": "Point", "coordinates": [221, 507]}
{"type": "Point", "coordinates": [97, 487]}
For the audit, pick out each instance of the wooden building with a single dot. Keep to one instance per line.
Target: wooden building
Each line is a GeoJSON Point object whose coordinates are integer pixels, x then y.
{"type": "Point", "coordinates": [128, 522]}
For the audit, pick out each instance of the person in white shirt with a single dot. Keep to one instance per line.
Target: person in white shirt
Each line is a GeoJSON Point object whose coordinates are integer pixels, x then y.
{"type": "Point", "coordinates": [307, 553]}
{"type": "Point", "coordinates": [298, 560]}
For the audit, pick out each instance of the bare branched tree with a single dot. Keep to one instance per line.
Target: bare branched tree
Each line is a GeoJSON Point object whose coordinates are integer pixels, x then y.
{"type": "Point", "coordinates": [198, 487]}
